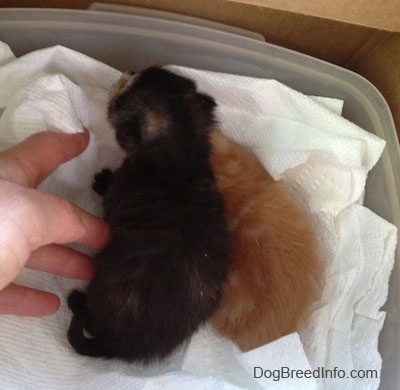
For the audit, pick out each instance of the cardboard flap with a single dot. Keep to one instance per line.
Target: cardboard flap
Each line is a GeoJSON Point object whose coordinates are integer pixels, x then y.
{"type": "Point", "coordinates": [382, 15]}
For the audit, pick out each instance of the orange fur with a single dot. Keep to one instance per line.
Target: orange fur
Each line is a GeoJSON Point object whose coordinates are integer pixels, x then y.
{"type": "Point", "coordinates": [275, 269]}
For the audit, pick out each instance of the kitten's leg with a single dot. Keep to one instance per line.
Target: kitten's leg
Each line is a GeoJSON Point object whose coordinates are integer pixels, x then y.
{"type": "Point", "coordinates": [76, 302]}
{"type": "Point", "coordinates": [102, 181]}
{"type": "Point", "coordinates": [90, 347]}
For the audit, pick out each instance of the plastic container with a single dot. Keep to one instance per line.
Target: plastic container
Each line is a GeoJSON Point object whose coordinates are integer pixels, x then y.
{"type": "Point", "coordinates": [136, 41]}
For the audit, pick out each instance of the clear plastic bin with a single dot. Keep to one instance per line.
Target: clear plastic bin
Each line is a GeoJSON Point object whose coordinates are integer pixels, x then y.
{"type": "Point", "coordinates": [137, 41]}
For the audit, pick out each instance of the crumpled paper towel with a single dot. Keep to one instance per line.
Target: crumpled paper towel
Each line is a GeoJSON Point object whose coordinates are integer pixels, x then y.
{"type": "Point", "coordinates": [323, 161]}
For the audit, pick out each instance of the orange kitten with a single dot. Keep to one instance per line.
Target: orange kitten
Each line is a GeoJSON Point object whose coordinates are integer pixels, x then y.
{"type": "Point", "coordinates": [275, 268]}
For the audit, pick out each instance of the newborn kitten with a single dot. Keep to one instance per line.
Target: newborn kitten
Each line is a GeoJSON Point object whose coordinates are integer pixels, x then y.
{"type": "Point", "coordinates": [275, 269]}
{"type": "Point", "coordinates": [163, 273]}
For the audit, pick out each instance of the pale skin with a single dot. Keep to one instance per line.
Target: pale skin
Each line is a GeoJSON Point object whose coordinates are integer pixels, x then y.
{"type": "Point", "coordinates": [34, 225]}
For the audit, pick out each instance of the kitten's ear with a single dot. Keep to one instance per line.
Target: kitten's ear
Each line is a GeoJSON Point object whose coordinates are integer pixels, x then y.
{"type": "Point", "coordinates": [205, 110]}
{"type": "Point", "coordinates": [169, 80]}
{"type": "Point", "coordinates": [207, 102]}
{"type": "Point", "coordinates": [185, 86]}
{"type": "Point", "coordinates": [124, 82]}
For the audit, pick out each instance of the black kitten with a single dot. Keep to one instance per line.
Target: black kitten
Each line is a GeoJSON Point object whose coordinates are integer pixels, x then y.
{"type": "Point", "coordinates": [163, 273]}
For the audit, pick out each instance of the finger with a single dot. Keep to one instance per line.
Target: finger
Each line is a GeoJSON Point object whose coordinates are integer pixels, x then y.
{"type": "Point", "coordinates": [31, 219]}
{"type": "Point", "coordinates": [25, 301]}
{"type": "Point", "coordinates": [96, 234]}
{"type": "Point", "coordinates": [31, 161]}
{"type": "Point", "coordinates": [62, 261]}
{"type": "Point", "coordinates": [43, 218]}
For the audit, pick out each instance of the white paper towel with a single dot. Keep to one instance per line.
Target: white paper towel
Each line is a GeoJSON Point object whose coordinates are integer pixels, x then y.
{"type": "Point", "coordinates": [323, 161]}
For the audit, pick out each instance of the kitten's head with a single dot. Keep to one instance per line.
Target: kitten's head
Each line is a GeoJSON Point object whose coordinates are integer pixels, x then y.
{"type": "Point", "coordinates": [154, 103]}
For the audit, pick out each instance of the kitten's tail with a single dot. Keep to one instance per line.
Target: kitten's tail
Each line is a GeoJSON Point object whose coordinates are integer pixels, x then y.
{"type": "Point", "coordinates": [89, 347]}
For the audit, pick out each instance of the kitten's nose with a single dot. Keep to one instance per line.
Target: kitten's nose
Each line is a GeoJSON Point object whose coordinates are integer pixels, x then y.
{"type": "Point", "coordinates": [126, 79]}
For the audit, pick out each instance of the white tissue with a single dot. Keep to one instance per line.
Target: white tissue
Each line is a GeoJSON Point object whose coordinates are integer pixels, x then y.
{"type": "Point", "coordinates": [323, 161]}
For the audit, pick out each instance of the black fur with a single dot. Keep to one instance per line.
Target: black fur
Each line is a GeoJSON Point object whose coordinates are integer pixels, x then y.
{"type": "Point", "coordinates": [102, 181]}
{"type": "Point", "coordinates": [163, 273]}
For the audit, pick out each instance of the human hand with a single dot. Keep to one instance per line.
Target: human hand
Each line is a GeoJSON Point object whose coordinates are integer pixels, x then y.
{"type": "Point", "coordinates": [33, 223]}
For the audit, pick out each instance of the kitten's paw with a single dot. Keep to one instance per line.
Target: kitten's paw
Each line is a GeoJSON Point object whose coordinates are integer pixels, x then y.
{"type": "Point", "coordinates": [102, 181]}
{"type": "Point", "coordinates": [76, 301]}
